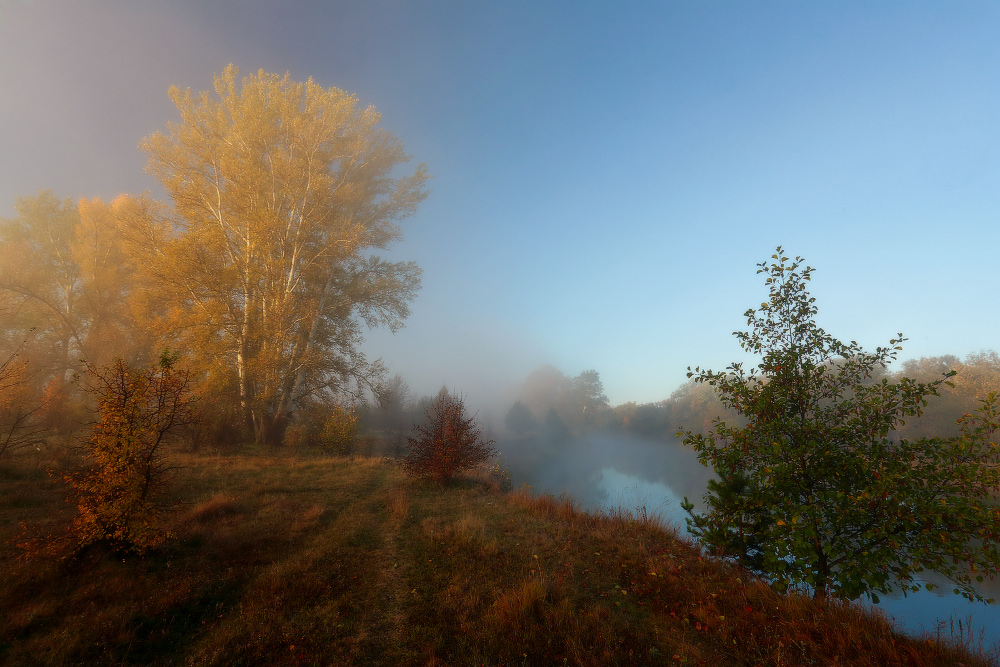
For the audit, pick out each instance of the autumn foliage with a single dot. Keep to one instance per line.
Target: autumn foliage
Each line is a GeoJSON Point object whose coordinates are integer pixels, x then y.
{"type": "Point", "coordinates": [328, 427]}
{"type": "Point", "coordinates": [19, 407]}
{"type": "Point", "coordinates": [120, 499]}
{"type": "Point", "coordinates": [448, 442]}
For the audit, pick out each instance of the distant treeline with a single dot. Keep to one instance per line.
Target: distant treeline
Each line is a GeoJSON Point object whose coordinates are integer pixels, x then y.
{"type": "Point", "coordinates": [550, 402]}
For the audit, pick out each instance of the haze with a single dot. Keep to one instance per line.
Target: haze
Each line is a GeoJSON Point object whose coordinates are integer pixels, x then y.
{"type": "Point", "coordinates": [605, 178]}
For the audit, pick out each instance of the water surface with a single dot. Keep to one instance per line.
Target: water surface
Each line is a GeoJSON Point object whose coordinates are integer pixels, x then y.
{"type": "Point", "coordinates": [937, 613]}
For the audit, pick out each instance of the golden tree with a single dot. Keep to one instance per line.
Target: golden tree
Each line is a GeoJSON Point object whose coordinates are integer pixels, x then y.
{"type": "Point", "coordinates": [281, 190]}
{"type": "Point", "coordinates": [978, 375]}
{"type": "Point", "coordinates": [41, 280]}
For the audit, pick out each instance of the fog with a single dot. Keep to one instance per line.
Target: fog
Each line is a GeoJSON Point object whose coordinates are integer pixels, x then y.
{"type": "Point", "coordinates": [604, 181]}
{"type": "Point", "coordinates": [568, 226]}
{"type": "Point", "coordinates": [601, 470]}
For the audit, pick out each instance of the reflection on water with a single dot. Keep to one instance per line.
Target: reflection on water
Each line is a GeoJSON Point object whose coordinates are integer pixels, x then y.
{"type": "Point", "coordinates": [932, 612]}
{"type": "Point", "coordinates": [942, 612]}
{"type": "Point", "coordinates": [630, 492]}
{"type": "Point", "coordinates": [611, 470]}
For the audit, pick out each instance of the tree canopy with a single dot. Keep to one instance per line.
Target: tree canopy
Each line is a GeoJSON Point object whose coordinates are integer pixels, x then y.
{"type": "Point", "coordinates": [66, 274]}
{"type": "Point", "coordinates": [813, 490]}
{"type": "Point", "coordinates": [280, 193]}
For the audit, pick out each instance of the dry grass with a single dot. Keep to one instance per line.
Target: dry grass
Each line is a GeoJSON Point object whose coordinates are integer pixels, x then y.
{"type": "Point", "coordinates": [285, 561]}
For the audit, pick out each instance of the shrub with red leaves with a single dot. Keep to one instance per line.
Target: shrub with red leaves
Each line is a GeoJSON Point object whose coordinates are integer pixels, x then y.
{"type": "Point", "coordinates": [448, 442]}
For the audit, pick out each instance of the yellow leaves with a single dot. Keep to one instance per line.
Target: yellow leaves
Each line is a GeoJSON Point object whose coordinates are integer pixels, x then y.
{"type": "Point", "coordinates": [280, 188]}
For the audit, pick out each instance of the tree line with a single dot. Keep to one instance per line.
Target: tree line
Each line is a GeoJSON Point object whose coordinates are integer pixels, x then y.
{"type": "Point", "coordinates": [550, 401]}
{"type": "Point", "coordinates": [261, 270]}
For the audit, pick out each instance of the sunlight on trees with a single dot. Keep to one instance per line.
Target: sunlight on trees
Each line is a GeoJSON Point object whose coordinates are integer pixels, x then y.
{"type": "Point", "coordinates": [37, 269]}
{"type": "Point", "coordinates": [68, 274]}
{"type": "Point", "coordinates": [20, 406]}
{"type": "Point", "coordinates": [813, 490]}
{"type": "Point", "coordinates": [120, 499]}
{"type": "Point", "coordinates": [280, 192]}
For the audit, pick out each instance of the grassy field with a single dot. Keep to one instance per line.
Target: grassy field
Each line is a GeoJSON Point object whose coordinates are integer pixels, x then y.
{"type": "Point", "coordinates": [288, 561]}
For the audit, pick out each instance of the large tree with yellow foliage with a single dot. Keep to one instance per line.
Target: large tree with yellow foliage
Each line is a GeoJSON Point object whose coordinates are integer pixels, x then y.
{"type": "Point", "coordinates": [281, 191]}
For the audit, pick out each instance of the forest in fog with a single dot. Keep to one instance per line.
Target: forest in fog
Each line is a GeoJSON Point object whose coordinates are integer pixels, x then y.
{"type": "Point", "coordinates": [261, 273]}
{"type": "Point", "coordinates": [229, 320]}
{"type": "Point", "coordinates": [87, 282]}
{"type": "Point", "coordinates": [90, 281]}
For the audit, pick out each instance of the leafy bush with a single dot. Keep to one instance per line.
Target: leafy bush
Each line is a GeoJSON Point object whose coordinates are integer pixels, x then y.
{"type": "Point", "coordinates": [448, 442]}
{"type": "Point", "coordinates": [120, 498]}
{"type": "Point", "coordinates": [340, 430]}
{"type": "Point", "coordinates": [326, 426]}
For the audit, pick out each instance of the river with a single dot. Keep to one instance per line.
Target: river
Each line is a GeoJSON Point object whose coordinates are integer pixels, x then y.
{"type": "Point", "coordinates": [601, 472]}
{"type": "Point", "coordinates": [938, 612]}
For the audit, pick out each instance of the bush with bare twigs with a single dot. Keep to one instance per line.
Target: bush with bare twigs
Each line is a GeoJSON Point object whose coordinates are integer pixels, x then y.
{"type": "Point", "coordinates": [20, 406]}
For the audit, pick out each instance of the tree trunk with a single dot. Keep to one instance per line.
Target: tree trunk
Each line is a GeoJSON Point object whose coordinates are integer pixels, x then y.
{"type": "Point", "coordinates": [244, 383]}
{"type": "Point", "coordinates": [269, 430]}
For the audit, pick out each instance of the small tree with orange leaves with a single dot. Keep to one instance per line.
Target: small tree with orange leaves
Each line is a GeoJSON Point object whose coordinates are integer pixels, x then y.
{"type": "Point", "coordinates": [448, 442]}
{"type": "Point", "coordinates": [120, 498]}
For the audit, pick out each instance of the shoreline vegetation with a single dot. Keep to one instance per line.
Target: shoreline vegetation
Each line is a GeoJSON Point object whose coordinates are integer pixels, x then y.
{"type": "Point", "coordinates": [299, 560]}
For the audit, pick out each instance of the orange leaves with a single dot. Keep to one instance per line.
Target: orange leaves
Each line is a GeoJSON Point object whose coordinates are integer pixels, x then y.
{"type": "Point", "coordinates": [282, 192]}
{"type": "Point", "coordinates": [118, 498]}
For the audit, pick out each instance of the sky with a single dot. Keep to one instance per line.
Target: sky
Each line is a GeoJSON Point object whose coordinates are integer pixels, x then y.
{"type": "Point", "coordinates": [606, 175]}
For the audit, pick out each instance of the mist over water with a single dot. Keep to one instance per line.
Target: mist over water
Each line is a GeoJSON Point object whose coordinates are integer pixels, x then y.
{"type": "Point", "coordinates": [602, 471]}
{"type": "Point", "coordinates": [599, 470]}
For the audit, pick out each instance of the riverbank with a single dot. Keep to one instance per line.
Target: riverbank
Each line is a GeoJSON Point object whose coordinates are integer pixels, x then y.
{"type": "Point", "coordinates": [337, 561]}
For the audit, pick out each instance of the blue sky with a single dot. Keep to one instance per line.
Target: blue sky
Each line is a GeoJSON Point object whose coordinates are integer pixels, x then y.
{"type": "Point", "coordinates": [606, 175]}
